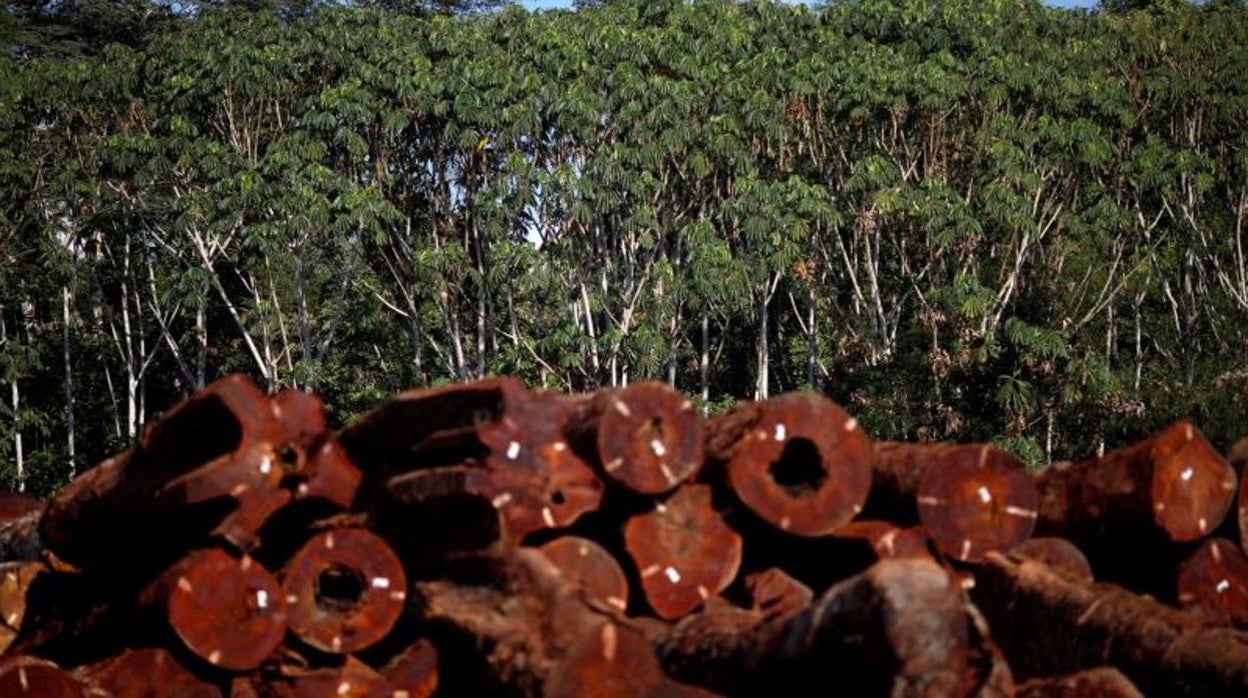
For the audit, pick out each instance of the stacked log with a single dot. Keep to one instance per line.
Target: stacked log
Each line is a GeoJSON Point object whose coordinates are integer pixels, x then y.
{"type": "Point", "coordinates": [489, 539]}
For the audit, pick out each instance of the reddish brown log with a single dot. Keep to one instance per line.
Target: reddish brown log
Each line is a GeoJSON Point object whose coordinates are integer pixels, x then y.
{"type": "Point", "coordinates": [1173, 481]}
{"type": "Point", "coordinates": [900, 628]}
{"type": "Point", "coordinates": [970, 498]}
{"type": "Point", "coordinates": [519, 461]}
{"type": "Point", "coordinates": [344, 590]}
{"type": "Point", "coordinates": [1213, 583]}
{"type": "Point", "coordinates": [414, 672]}
{"type": "Point", "coordinates": [888, 540]}
{"type": "Point", "coordinates": [219, 463]}
{"type": "Point", "coordinates": [228, 610]}
{"type": "Point", "coordinates": [1048, 625]}
{"type": "Point", "coordinates": [22, 677]}
{"type": "Point", "coordinates": [683, 550]}
{"type": "Point", "coordinates": [16, 579]}
{"type": "Point", "coordinates": [519, 649]}
{"type": "Point", "coordinates": [589, 566]}
{"type": "Point", "coordinates": [313, 461]}
{"type": "Point", "coordinates": [798, 461]}
{"type": "Point", "coordinates": [429, 427]}
{"type": "Point", "coordinates": [146, 673]}
{"type": "Point", "coordinates": [1062, 556]}
{"type": "Point", "coordinates": [645, 436]}
{"type": "Point", "coordinates": [614, 662]}
{"type": "Point", "coordinates": [775, 593]}
{"type": "Point", "coordinates": [1102, 682]}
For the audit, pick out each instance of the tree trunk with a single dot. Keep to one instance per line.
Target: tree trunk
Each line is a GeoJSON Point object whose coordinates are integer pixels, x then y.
{"type": "Point", "coordinates": [69, 383]}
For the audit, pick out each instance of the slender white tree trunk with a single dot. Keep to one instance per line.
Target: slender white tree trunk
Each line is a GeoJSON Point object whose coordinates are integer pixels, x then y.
{"type": "Point", "coordinates": [69, 382]}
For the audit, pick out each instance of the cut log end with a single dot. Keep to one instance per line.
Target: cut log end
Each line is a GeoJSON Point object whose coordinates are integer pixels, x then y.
{"type": "Point", "coordinates": [1213, 582]}
{"type": "Point", "coordinates": [227, 610]}
{"type": "Point", "coordinates": [1193, 486]}
{"type": "Point", "coordinates": [804, 467]}
{"type": "Point", "coordinates": [27, 677]}
{"type": "Point", "coordinates": [684, 551]}
{"type": "Point", "coordinates": [976, 500]}
{"type": "Point", "coordinates": [775, 593]}
{"type": "Point", "coordinates": [648, 437]}
{"type": "Point", "coordinates": [414, 673]}
{"type": "Point", "coordinates": [345, 590]}
{"type": "Point", "coordinates": [606, 662]}
{"type": "Point", "coordinates": [589, 566]}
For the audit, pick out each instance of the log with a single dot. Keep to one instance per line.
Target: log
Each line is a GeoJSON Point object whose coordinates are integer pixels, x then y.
{"type": "Point", "coordinates": [1062, 556]}
{"type": "Point", "coordinates": [1123, 508]}
{"type": "Point", "coordinates": [351, 679]}
{"type": "Point", "coordinates": [1213, 583]}
{"type": "Point", "coordinates": [218, 464]}
{"type": "Point", "coordinates": [22, 677]}
{"type": "Point", "coordinates": [520, 462]}
{"type": "Point", "coordinates": [614, 662]}
{"type": "Point", "coordinates": [683, 551]}
{"type": "Point", "coordinates": [16, 579]}
{"type": "Point", "coordinates": [590, 567]}
{"type": "Point", "coordinates": [414, 672]}
{"type": "Point", "coordinates": [798, 461]}
{"type": "Point", "coordinates": [428, 427]}
{"type": "Point", "coordinates": [1048, 625]}
{"type": "Point", "coordinates": [313, 462]}
{"type": "Point", "coordinates": [970, 498]}
{"type": "Point", "coordinates": [900, 628]}
{"type": "Point", "coordinates": [774, 593]}
{"type": "Point", "coordinates": [144, 673]}
{"type": "Point", "coordinates": [15, 505]}
{"type": "Point", "coordinates": [646, 436]}
{"type": "Point", "coordinates": [1101, 682]}
{"type": "Point", "coordinates": [344, 590]}
{"type": "Point", "coordinates": [228, 610]}
{"type": "Point", "coordinates": [514, 651]}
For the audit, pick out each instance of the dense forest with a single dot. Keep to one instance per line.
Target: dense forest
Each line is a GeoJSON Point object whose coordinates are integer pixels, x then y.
{"type": "Point", "coordinates": [969, 219]}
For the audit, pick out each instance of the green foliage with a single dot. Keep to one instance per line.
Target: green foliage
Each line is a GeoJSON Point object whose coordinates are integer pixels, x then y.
{"type": "Point", "coordinates": [965, 219]}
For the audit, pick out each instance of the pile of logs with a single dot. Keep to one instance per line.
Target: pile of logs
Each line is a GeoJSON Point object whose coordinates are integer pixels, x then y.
{"type": "Point", "coordinates": [490, 539]}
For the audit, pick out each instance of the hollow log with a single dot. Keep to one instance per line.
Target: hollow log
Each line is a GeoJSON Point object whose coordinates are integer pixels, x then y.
{"type": "Point", "coordinates": [344, 590]}
{"type": "Point", "coordinates": [144, 673]}
{"type": "Point", "coordinates": [1213, 583]}
{"type": "Point", "coordinates": [970, 498]}
{"type": "Point", "coordinates": [29, 677]}
{"type": "Point", "coordinates": [1048, 625]}
{"type": "Point", "coordinates": [1062, 556]}
{"type": "Point", "coordinates": [228, 610]}
{"type": "Point", "coordinates": [683, 550]}
{"type": "Point", "coordinates": [218, 464]}
{"type": "Point", "coordinates": [520, 462]}
{"type": "Point", "coordinates": [1102, 682]}
{"type": "Point", "coordinates": [798, 461]}
{"type": "Point", "coordinates": [589, 566]}
{"type": "Point", "coordinates": [900, 628]}
{"type": "Point", "coordinates": [1132, 504]}
{"type": "Point", "coordinates": [645, 436]}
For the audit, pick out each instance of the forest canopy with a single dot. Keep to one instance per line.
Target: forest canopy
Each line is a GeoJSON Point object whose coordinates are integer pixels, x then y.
{"type": "Point", "coordinates": [968, 219]}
